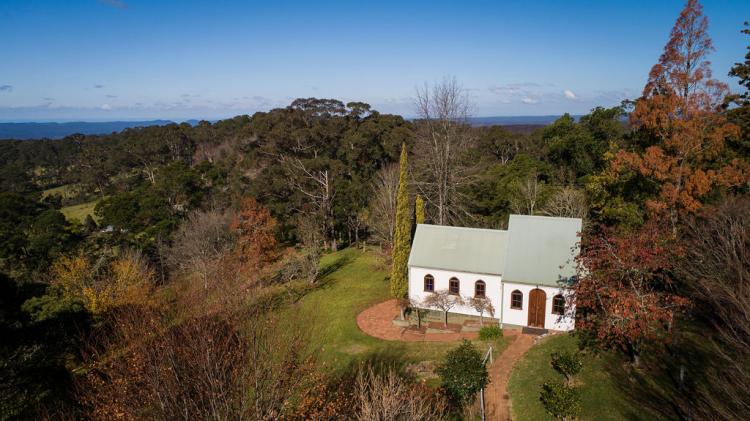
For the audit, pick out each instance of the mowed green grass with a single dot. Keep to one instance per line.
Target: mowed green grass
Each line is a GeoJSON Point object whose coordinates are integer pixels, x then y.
{"type": "Point", "coordinates": [356, 281]}
{"type": "Point", "coordinates": [80, 211]}
{"type": "Point", "coordinates": [73, 212]}
{"type": "Point", "coordinates": [601, 398]}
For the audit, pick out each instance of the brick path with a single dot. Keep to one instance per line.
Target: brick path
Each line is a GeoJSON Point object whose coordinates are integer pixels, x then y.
{"type": "Point", "coordinates": [496, 395]}
{"type": "Point", "coordinates": [377, 321]}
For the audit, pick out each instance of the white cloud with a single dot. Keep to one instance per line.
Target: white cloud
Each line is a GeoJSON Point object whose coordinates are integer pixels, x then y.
{"type": "Point", "coordinates": [569, 94]}
{"type": "Point", "coordinates": [106, 107]}
{"type": "Point", "coordinates": [529, 100]}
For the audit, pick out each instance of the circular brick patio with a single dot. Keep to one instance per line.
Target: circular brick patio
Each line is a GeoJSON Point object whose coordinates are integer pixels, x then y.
{"type": "Point", "coordinates": [377, 321]}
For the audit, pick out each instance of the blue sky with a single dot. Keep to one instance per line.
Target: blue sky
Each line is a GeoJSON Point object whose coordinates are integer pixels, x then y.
{"type": "Point", "coordinates": [179, 59]}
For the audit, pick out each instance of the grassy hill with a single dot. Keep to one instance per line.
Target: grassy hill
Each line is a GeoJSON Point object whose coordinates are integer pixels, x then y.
{"type": "Point", "coordinates": [80, 211]}
{"type": "Point", "coordinates": [77, 212]}
{"type": "Point", "coordinates": [354, 281]}
{"type": "Point", "coordinates": [602, 398]}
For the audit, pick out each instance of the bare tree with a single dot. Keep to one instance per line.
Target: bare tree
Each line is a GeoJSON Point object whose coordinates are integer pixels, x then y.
{"type": "Point", "coordinates": [307, 264]}
{"type": "Point", "coordinates": [717, 266]}
{"type": "Point", "coordinates": [355, 224]}
{"type": "Point", "coordinates": [443, 137]}
{"type": "Point", "coordinates": [415, 307]}
{"type": "Point", "coordinates": [382, 218]}
{"type": "Point", "coordinates": [444, 301]}
{"type": "Point", "coordinates": [482, 305]}
{"type": "Point", "coordinates": [567, 202]}
{"type": "Point", "coordinates": [200, 242]}
{"type": "Point", "coordinates": [317, 185]}
{"type": "Point", "coordinates": [528, 194]}
{"type": "Point", "coordinates": [389, 396]}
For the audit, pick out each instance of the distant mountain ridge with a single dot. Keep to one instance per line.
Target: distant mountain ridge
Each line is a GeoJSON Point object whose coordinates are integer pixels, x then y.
{"type": "Point", "coordinates": [518, 120]}
{"type": "Point", "coordinates": [27, 131]}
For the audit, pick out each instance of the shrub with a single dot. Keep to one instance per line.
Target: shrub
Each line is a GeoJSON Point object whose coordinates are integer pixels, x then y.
{"type": "Point", "coordinates": [463, 373]}
{"type": "Point", "coordinates": [567, 363]}
{"type": "Point", "coordinates": [490, 332]}
{"type": "Point", "coordinates": [560, 400]}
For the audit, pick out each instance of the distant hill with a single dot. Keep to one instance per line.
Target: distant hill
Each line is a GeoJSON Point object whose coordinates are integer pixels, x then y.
{"type": "Point", "coordinates": [519, 120]}
{"type": "Point", "coordinates": [27, 131]}
{"type": "Point", "coordinates": [24, 131]}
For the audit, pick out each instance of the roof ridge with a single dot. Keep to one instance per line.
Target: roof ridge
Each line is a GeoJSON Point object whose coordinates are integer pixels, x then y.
{"type": "Point", "coordinates": [542, 216]}
{"type": "Point", "coordinates": [464, 228]}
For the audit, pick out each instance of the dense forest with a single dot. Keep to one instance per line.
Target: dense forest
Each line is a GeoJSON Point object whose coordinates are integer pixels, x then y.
{"type": "Point", "coordinates": [200, 235]}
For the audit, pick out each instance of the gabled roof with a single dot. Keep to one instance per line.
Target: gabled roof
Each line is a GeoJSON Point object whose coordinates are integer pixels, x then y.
{"type": "Point", "coordinates": [541, 249]}
{"type": "Point", "coordinates": [472, 250]}
{"type": "Point", "coordinates": [534, 250]}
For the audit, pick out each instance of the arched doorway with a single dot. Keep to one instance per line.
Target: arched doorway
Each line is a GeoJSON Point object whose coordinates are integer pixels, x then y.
{"type": "Point", "coordinates": [537, 308]}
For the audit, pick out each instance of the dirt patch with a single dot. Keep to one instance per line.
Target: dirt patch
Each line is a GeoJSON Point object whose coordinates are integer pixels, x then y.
{"type": "Point", "coordinates": [355, 349]}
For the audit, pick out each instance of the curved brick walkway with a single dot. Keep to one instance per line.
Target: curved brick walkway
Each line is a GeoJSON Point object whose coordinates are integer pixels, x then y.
{"type": "Point", "coordinates": [496, 394]}
{"type": "Point", "coordinates": [377, 321]}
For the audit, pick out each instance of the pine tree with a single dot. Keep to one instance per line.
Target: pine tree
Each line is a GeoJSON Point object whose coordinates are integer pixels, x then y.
{"type": "Point", "coordinates": [402, 236]}
{"type": "Point", "coordinates": [419, 209]}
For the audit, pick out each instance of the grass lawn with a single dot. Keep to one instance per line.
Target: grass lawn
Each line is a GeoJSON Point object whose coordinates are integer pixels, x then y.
{"type": "Point", "coordinates": [601, 398]}
{"type": "Point", "coordinates": [78, 212]}
{"type": "Point", "coordinates": [354, 282]}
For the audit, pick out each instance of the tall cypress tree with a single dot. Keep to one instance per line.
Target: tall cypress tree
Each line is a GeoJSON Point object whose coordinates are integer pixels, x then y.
{"type": "Point", "coordinates": [419, 209]}
{"type": "Point", "coordinates": [402, 236]}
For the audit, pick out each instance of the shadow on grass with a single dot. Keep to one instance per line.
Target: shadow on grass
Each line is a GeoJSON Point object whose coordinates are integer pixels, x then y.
{"type": "Point", "coordinates": [662, 386]}
{"type": "Point", "coordinates": [294, 291]}
{"type": "Point", "coordinates": [381, 360]}
{"type": "Point", "coordinates": [327, 270]}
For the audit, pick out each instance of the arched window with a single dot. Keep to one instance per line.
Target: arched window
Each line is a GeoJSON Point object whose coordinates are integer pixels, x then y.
{"type": "Point", "coordinates": [479, 288]}
{"type": "Point", "coordinates": [516, 300]}
{"type": "Point", "coordinates": [429, 283]}
{"type": "Point", "coordinates": [558, 304]}
{"type": "Point", "coordinates": [454, 286]}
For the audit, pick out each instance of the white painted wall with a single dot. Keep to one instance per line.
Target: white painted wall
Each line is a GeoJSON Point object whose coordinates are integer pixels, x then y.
{"type": "Point", "coordinates": [493, 291]}
{"type": "Point", "coordinates": [551, 321]}
{"type": "Point", "coordinates": [467, 280]}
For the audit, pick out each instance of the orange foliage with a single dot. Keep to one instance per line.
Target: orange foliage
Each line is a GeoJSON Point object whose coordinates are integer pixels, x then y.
{"type": "Point", "coordinates": [129, 280]}
{"type": "Point", "coordinates": [625, 294]}
{"type": "Point", "coordinates": [256, 244]}
{"type": "Point", "coordinates": [680, 109]}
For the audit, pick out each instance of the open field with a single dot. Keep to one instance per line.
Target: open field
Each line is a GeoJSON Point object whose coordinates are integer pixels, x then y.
{"type": "Point", "coordinates": [65, 191]}
{"type": "Point", "coordinates": [601, 398]}
{"type": "Point", "coordinates": [78, 212]}
{"type": "Point", "coordinates": [354, 282]}
{"type": "Point", "coordinates": [75, 212]}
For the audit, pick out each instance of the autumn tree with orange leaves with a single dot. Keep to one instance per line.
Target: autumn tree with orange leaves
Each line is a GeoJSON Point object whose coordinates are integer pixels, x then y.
{"type": "Point", "coordinates": [256, 229]}
{"type": "Point", "coordinates": [625, 294]}
{"type": "Point", "coordinates": [679, 113]}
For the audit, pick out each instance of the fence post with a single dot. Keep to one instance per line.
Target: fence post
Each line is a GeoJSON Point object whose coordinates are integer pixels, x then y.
{"type": "Point", "coordinates": [481, 391]}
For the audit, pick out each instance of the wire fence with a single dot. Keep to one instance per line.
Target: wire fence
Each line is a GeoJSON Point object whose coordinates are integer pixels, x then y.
{"type": "Point", "coordinates": [487, 356]}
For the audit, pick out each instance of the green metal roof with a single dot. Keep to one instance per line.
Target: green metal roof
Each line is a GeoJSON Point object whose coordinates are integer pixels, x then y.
{"type": "Point", "coordinates": [535, 249]}
{"type": "Point", "coordinates": [462, 249]}
{"type": "Point", "coordinates": [541, 249]}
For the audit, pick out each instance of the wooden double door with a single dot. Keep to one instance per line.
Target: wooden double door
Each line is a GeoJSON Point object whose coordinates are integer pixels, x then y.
{"type": "Point", "coordinates": [537, 308]}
